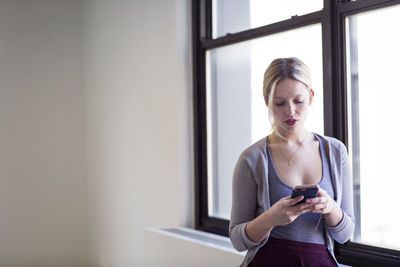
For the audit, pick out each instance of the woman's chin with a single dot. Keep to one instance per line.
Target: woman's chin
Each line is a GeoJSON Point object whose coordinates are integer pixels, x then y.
{"type": "Point", "coordinates": [291, 128]}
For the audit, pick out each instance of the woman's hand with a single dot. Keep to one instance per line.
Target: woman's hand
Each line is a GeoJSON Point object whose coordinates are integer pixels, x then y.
{"type": "Point", "coordinates": [282, 212]}
{"type": "Point", "coordinates": [325, 205]}
{"type": "Point", "coordinates": [287, 209]}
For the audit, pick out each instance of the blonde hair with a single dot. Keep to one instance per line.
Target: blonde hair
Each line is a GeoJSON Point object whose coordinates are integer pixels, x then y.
{"type": "Point", "coordinates": [278, 70]}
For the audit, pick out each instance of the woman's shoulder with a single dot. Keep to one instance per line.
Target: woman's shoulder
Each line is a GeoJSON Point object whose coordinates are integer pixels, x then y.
{"type": "Point", "coordinates": [255, 150]}
{"type": "Point", "coordinates": [333, 142]}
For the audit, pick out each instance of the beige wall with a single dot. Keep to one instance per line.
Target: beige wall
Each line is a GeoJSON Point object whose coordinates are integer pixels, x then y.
{"type": "Point", "coordinates": [95, 119]}
{"type": "Point", "coordinates": [42, 163]}
{"type": "Point", "coordinates": [137, 124]}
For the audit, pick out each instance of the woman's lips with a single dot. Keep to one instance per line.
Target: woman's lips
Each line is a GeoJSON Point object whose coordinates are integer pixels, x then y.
{"type": "Point", "coordinates": [291, 122]}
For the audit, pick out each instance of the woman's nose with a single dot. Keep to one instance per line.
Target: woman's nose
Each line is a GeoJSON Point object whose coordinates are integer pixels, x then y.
{"type": "Point", "coordinates": [290, 110]}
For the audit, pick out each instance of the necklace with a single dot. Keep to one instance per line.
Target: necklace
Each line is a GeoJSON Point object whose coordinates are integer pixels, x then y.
{"type": "Point", "coordinates": [290, 157]}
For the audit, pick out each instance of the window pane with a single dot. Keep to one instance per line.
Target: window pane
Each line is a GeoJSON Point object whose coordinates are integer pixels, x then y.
{"type": "Point", "coordinates": [372, 64]}
{"type": "Point", "coordinates": [236, 112]}
{"type": "Point", "coordinates": [231, 16]}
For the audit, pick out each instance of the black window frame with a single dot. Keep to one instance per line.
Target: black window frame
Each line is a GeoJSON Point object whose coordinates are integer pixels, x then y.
{"type": "Point", "coordinates": [332, 19]}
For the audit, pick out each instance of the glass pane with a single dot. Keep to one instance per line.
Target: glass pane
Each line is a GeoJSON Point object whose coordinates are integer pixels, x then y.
{"type": "Point", "coordinates": [236, 113]}
{"type": "Point", "coordinates": [231, 16]}
{"type": "Point", "coordinates": [372, 65]}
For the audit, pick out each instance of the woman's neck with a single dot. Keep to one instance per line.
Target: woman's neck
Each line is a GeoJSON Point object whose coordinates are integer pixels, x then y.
{"type": "Point", "coordinates": [295, 137]}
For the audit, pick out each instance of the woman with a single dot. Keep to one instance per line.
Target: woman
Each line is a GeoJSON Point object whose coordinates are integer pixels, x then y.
{"type": "Point", "coordinates": [276, 229]}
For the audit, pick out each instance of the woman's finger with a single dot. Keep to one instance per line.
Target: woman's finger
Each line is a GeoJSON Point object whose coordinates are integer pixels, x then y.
{"type": "Point", "coordinates": [317, 211]}
{"type": "Point", "coordinates": [293, 201]}
{"type": "Point", "coordinates": [302, 206]}
{"type": "Point", "coordinates": [299, 212]}
{"type": "Point", "coordinates": [316, 200]}
{"type": "Point", "coordinates": [321, 192]}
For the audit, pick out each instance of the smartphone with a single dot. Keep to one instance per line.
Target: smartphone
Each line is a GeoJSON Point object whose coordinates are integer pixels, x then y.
{"type": "Point", "coordinates": [307, 190]}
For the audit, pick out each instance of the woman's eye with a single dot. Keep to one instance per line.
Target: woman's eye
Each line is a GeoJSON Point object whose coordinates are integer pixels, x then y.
{"type": "Point", "coordinates": [299, 102]}
{"type": "Point", "coordinates": [279, 104]}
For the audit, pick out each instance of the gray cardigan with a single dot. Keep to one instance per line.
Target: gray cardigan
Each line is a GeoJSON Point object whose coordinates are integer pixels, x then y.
{"type": "Point", "coordinates": [250, 195]}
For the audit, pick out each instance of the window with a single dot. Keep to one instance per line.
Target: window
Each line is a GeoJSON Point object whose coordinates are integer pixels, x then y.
{"type": "Point", "coordinates": [232, 16]}
{"type": "Point", "coordinates": [372, 95]}
{"type": "Point", "coordinates": [236, 111]}
{"type": "Point", "coordinates": [349, 55]}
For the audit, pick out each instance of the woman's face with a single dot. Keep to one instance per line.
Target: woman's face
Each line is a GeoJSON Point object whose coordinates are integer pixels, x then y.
{"type": "Point", "coordinates": [290, 105]}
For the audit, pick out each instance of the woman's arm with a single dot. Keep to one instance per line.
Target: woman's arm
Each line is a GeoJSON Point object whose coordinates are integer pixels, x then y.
{"type": "Point", "coordinates": [244, 204]}
{"type": "Point", "coordinates": [325, 205]}
{"type": "Point", "coordinates": [345, 229]}
{"type": "Point", "coordinates": [339, 219]}
{"type": "Point", "coordinates": [246, 227]}
{"type": "Point", "coordinates": [283, 212]}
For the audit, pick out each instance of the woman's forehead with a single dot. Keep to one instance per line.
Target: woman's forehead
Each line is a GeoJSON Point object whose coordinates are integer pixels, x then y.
{"type": "Point", "coordinates": [291, 89]}
{"type": "Point", "coordinates": [284, 97]}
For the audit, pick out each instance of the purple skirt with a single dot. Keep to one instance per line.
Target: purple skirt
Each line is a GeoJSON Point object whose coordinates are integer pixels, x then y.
{"type": "Point", "coordinates": [288, 253]}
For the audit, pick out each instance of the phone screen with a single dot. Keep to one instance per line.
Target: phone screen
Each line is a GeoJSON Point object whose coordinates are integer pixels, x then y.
{"type": "Point", "coordinates": [309, 192]}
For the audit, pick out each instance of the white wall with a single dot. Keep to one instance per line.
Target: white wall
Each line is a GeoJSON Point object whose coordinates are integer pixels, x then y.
{"type": "Point", "coordinates": [137, 124]}
{"type": "Point", "coordinates": [95, 144]}
{"type": "Point", "coordinates": [181, 247]}
{"type": "Point", "coordinates": [42, 170]}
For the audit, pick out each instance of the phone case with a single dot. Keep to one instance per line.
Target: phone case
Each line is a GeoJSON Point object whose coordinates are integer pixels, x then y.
{"type": "Point", "coordinates": [306, 191]}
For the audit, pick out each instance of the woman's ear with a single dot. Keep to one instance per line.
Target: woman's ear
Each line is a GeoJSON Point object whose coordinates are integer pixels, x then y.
{"type": "Point", "coordinates": [311, 96]}
{"type": "Point", "coordinates": [266, 102]}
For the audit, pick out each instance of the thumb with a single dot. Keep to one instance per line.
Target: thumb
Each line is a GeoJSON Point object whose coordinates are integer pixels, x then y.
{"type": "Point", "coordinates": [294, 201]}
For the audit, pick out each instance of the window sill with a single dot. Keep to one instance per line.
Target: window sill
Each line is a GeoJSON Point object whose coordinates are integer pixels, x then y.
{"type": "Point", "coordinates": [199, 237]}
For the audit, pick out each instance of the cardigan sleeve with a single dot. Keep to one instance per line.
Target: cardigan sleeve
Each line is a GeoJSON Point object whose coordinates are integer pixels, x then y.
{"type": "Point", "coordinates": [344, 230]}
{"type": "Point", "coordinates": [244, 203]}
